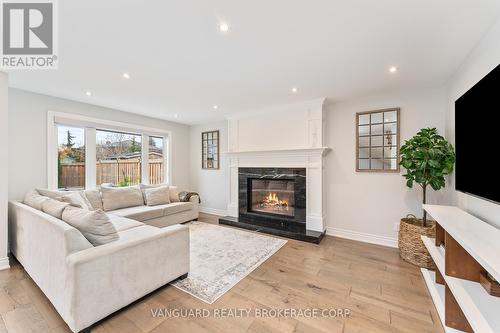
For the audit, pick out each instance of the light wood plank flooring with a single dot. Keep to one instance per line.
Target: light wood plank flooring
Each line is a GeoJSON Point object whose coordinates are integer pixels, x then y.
{"type": "Point", "coordinates": [384, 293]}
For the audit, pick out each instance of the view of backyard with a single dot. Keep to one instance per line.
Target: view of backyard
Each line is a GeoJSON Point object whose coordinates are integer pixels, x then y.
{"type": "Point", "coordinates": [118, 156]}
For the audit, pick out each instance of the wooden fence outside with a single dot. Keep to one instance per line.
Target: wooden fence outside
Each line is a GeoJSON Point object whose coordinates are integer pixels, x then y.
{"type": "Point", "coordinates": [116, 172]}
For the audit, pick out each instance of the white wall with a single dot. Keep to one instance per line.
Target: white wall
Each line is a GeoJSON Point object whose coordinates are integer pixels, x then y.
{"type": "Point", "coordinates": [28, 138]}
{"type": "Point", "coordinates": [367, 205]}
{"type": "Point", "coordinates": [212, 185]}
{"type": "Point", "coordinates": [484, 58]}
{"type": "Point", "coordinates": [4, 177]}
{"type": "Point", "coordinates": [292, 126]}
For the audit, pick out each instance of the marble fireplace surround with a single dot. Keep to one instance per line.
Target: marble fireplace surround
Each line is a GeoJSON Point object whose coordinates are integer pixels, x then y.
{"type": "Point", "coordinates": [294, 222]}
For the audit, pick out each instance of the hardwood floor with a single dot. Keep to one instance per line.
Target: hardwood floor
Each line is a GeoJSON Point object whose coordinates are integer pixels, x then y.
{"type": "Point", "coordinates": [384, 293]}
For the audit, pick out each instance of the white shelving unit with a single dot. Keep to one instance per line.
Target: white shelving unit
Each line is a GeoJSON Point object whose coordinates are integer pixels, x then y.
{"type": "Point", "coordinates": [482, 242]}
{"type": "Point", "coordinates": [477, 237]}
{"type": "Point", "coordinates": [437, 294]}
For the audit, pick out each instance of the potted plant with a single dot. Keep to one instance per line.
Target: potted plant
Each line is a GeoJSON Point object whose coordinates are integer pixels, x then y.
{"type": "Point", "coordinates": [427, 158]}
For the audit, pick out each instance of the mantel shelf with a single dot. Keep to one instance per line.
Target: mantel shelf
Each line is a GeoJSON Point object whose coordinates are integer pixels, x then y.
{"type": "Point", "coordinates": [299, 151]}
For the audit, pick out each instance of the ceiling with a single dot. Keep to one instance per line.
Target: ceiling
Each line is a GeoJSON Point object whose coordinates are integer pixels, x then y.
{"type": "Point", "coordinates": [181, 64]}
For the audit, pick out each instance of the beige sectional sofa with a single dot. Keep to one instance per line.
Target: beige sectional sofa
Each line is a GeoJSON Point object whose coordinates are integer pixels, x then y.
{"type": "Point", "coordinates": [158, 216]}
{"type": "Point", "coordinates": [87, 283]}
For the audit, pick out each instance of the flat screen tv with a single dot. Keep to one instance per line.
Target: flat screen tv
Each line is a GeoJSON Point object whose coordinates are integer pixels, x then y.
{"type": "Point", "coordinates": [477, 139]}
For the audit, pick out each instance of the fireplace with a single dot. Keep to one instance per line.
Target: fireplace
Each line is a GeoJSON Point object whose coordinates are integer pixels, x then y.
{"type": "Point", "coordinates": [272, 196]}
{"type": "Point", "coordinates": [274, 201]}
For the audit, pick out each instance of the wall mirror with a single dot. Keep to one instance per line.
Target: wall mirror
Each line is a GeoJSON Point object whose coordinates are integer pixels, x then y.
{"type": "Point", "coordinates": [210, 150]}
{"type": "Point", "coordinates": [377, 141]}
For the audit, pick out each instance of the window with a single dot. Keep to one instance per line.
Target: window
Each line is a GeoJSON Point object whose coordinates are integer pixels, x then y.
{"type": "Point", "coordinates": [86, 152]}
{"type": "Point", "coordinates": [70, 157]}
{"type": "Point", "coordinates": [118, 158]}
{"type": "Point", "coordinates": [156, 160]}
{"type": "Point", "coordinates": [377, 141]}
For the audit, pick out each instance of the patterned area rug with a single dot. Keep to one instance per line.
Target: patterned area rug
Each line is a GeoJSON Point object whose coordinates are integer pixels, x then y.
{"type": "Point", "coordinates": [221, 257]}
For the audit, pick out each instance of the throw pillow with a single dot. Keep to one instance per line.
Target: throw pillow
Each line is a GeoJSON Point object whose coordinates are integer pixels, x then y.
{"type": "Point", "coordinates": [174, 191]}
{"type": "Point", "coordinates": [157, 196]}
{"type": "Point", "coordinates": [77, 199]}
{"type": "Point", "coordinates": [34, 200]}
{"type": "Point", "coordinates": [121, 197]}
{"type": "Point", "coordinates": [94, 197]}
{"type": "Point", "coordinates": [54, 207]}
{"type": "Point", "coordinates": [174, 194]}
{"type": "Point", "coordinates": [94, 225]}
{"type": "Point", "coordinates": [53, 194]}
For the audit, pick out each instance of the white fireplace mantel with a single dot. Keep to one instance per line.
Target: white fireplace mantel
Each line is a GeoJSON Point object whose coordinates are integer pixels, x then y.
{"type": "Point", "coordinates": [282, 152]}
{"type": "Point", "coordinates": [290, 136]}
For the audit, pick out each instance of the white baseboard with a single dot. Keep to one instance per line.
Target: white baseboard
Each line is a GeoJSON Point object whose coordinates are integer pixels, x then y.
{"type": "Point", "coordinates": [363, 237]}
{"type": "Point", "coordinates": [4, 263]}
{"type": "Point", "coordinates": [213, 211]}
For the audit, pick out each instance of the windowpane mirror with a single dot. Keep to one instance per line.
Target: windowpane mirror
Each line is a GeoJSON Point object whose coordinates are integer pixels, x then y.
{"type": "Point", "coordinates": [210, 150]}
{"type": "Point", "coordinates": [377, 141]}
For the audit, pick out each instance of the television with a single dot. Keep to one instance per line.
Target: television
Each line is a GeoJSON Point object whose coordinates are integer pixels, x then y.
{"type": "Point", "coordinates": [477, 139]}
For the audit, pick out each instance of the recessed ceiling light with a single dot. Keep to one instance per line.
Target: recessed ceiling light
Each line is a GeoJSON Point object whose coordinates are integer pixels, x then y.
{"type": "Point", "coordinates": [215, 107]}
{"type": "Point", "coordinates": [126, 76]}
{"type": "Point", "coordinates": [176, 116]}
{"type": "Point", "coordinates": [294, 90]}
{"type": "Point", "coordinates": [393, 69]}
{"type": "Point", "coordinates": [88, 93]}
{"type": "Point", "coordinates": [223, 27]}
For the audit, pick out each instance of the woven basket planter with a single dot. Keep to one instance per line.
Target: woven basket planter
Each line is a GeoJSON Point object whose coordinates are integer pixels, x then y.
{"type": "Point", "coordinates": [411, 247]}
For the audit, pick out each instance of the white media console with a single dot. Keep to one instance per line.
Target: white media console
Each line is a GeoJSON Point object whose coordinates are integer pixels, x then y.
{"type": "Point", "coordinates": [464, 246]}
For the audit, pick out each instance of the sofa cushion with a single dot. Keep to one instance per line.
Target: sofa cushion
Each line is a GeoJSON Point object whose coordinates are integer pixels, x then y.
{"type": "Point", "coordinates": [54, 207]}
{"type": "Point", "coordinates": [122, 223]}
{"type": "Point", "coordinates": [177, 207]}
{"type": "Point", "coordinates": [94, 225]}
{"type": "Point", "coordinates": [94, 197]}
{"type": "Point", "coordinates": [77, 199]}
{"type": "Point", "coordinates": [157, 196]}
{"type": "Point", "coordinates": [121, 197]}
{"type": "Point", "coordinates": [140, 213]}
{"type": "Point", "coordinates": [34, 200]}
{"type": "Point", "coordinates": [138, 232]}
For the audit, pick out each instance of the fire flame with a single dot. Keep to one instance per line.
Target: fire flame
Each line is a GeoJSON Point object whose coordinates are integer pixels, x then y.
{"type": "Point", "coordinates": [272, 199]}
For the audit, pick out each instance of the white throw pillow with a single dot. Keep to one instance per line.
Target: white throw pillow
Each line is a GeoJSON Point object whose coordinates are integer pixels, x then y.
{"type": "Point", "coordinates": [94, 225]}
{"type": "Point", "coordinates": [174, 194]}
{"type": "Point", "coordinates": [157, 196]}
{"type": "Point", "coordinates": [77, 199]}
{"type": "Point", "coordinates": [121, 197]}
{"type": "Point", "coordinates": [34, 200]}
{"type": "Point", "coordinates": [54, 207]}
{"type": "Point", "coordinates": [94, 197]}
{"type": "Point", "coordinates": [53, 194]}
{"type": "Point", "coordinates": [174, 191]}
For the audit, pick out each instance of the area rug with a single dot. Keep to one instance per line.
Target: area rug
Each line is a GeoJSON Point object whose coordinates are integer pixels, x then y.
{"type": "Point", "coordinates": [221, 257]}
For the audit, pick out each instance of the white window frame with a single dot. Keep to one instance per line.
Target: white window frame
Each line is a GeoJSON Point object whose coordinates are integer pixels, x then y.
{"type": "Point", "coordinates": [91, 125]}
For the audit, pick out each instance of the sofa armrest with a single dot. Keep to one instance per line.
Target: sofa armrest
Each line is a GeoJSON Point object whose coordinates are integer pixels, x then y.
{"type": "Point", "coordinates": [195, 199]}
{"type": "Point", "coordinates": [104, 279]}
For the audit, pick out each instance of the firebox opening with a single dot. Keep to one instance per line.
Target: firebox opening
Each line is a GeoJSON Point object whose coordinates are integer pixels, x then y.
{"type": "Point", "coordinates": [272, 196]}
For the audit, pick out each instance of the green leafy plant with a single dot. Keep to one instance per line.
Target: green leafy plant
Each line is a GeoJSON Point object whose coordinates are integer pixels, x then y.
{"type": "Point", "coordinates": [125, 181]}
{"type": "Point", "coordinates": [427, 158]}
